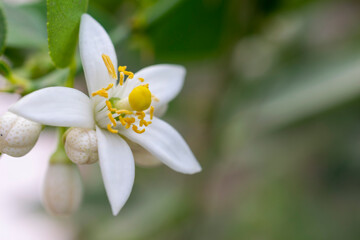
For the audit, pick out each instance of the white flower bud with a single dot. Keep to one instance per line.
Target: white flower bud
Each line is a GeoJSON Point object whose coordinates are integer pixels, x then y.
{"type": "Point", "coordinates": [17, 135]}
{"type": "Point", "coordinates": [62, 189]}
{"type": "Point", "coordinates": [142, 157]}
{"type": "Point", "coordinates": [81, 145]}
{"type": "Point", "coordinates": [160, 110]}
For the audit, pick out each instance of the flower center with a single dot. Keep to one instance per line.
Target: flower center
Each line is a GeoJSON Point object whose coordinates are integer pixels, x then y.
{"type": "Point", "coordinates": [128, 112]}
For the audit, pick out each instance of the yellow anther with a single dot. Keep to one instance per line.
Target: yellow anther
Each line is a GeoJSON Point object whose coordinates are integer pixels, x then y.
{"type": "Point", "coordinates": [109, 106]}
{"type": "Point", "coordinates": [130, 74]}
{"type": "Point", "coordinates": [140, 115]}
{"type": "Point", "coordinates": [109, 65]}
{"type": "Point", "coordinates": [141, 79]}
{"type": "Point", "coordinates": [121, 78]}
{"type": "Point", "coordinates": [135, 129]}
{"type": "Point", "coordinates": [129, 120]}
{"type": "Point", "coordinates": [140, 98]}
{"type": "Point", "coordinates": [122, 68]}
{"type": "Point", "coordinates": [146, 85]}
{"type": "Point", "coordinates": [152, 112]}
{"type": "Point", "coordinates": [111, 130]}
{"type": "Point", "coordinates": [109, 86]}
{"type": "Point", "coordinates": [124, 112]}
{"type": "Point", "coordinates": [122, 120]}
{"type": "Point", "coordinates": [144, 122]}
{"type": "Point", "coordinates": [112, 119]}
{"type": "Point", "coordinates": [101, 92]}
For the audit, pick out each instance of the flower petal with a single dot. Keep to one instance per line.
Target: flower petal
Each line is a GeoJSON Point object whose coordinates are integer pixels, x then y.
{"type": "Point", "coordinates": [117, 168]}
{"type": "Point", "coordinates": [165, 81]}
{"type": "Point", "coordinates": [93, 42]}
{"type": "Point", "coordinates": [56, 106]}
{"type": "Point", "coordinates": [165, 143]}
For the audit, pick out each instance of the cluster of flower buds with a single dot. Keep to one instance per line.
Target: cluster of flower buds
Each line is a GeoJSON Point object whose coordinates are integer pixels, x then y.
{"type": "Point", "coordinates": [62, 192]}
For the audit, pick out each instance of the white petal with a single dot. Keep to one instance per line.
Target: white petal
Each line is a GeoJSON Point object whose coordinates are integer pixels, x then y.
{"type": "Point", "coordinates": [165, 81]}
{"type": "Point", "coordinates": [56, 106]}
{"type": "Point", "coordinates": [117, 167]}
{"type": "Point", "coordinates": [93, 42]}
{"type": "Point", "coordinates": [165, 143]}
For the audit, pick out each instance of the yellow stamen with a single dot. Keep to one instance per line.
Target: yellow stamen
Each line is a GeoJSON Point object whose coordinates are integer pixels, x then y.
{"type": "Point", "coordinates": [141, 79]}
{"type": "Point", "coordinates": [109, 86]}
{"type": "Point", "coordinates": [121, 78]}
{"type": "Point", "coordinates": [111, 130]}
{"type": "Point", "coordinates": [140, 115]}
{"type": "Point", "coordinates": [108, 104]}
{"type": "Point", "coordinates": [152, 112]}
{"type": "Point", "coordinates": [101, 92]}
{"type": "Point", "coordinates": [130, 74]}
{"type": "Point", "coordinates": [112, 119]}
{"type": "Point", "coordinates": [144, 122]}
{"type": "Point", "coordinates": [122, 120]}
{"type": "Point", "coordinates": [135, 129]}
{"type": "Point", "coordinates": [124, 112]}
{"type": "Point", "coordinates": [129, 121]}
{"type": "Point", "coordinates": [146, 85]}
{"type": "Point", "coordinates": [109, 65]}
{"type": "Point", "coordinates": [122, 68]}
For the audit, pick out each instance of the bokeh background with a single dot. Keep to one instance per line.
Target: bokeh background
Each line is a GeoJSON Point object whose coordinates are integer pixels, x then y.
{"type": "Point", "coordinates": [270, 107]}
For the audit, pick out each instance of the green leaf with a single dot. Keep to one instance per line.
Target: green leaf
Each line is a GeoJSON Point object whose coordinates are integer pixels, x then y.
{"type": "Point", "coordinates": [63, 29]}
{"type": "Point", "coordinates": [26, 26]}
{"type": "Point", "coordinates": [2, 30]}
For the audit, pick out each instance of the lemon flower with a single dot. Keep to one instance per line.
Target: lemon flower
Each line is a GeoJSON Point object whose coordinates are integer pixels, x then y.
{"type": "Point", "coordinates": [121, 107]}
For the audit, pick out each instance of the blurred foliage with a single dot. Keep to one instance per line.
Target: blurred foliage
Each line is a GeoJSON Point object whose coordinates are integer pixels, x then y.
{"type": "Point", "coordinates": [270, 108]}
{"type": "Point", "coordinates": [26, 25]}
{"type": "Point", "coordinates": [2, 30]}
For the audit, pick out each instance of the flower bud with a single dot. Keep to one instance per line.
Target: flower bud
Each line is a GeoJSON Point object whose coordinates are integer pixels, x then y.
{"type": "Point", "coordinates": [81, 145]}
{"type": "Point", "coordinates": [160, 110]}
{"type": "Point", "coordinates": [17, 135]}
{"type": "Point", "coordinates": [62, 189]}
{"type": "Point", "coordinates": [142, 157]}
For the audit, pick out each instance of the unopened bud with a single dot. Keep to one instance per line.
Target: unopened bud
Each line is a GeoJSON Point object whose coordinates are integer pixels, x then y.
{"type": "Point", "coordinates": [17, 135]}
{"type": "Point", "coordinates": [62, 189]}
{"type": "Point", "coordinates": [160, 110]}
{"type": "Point", "coordinates": [142, 157]}
{"type": "Point", "coordinates": [81, 145]}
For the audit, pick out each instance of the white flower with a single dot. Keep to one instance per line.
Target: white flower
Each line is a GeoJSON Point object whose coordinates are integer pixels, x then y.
{"type": "Point", "coordinates": [17, 135]}
{"type": "Point", "coordinates": [118, 112]}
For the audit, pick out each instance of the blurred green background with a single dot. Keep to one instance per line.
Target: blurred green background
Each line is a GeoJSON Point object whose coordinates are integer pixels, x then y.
{"type": "Point", "coordinates": [270, 107]}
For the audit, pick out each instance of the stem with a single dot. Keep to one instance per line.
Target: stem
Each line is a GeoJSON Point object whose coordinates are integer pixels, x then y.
{"type": "Point", "coordinates": [13, 79]}
{"type": "Point", "coordinates": [71, 77]}
{"type": "Point", "coordinates": [59, 156]}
